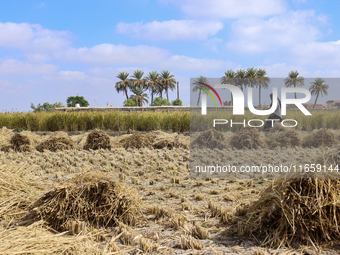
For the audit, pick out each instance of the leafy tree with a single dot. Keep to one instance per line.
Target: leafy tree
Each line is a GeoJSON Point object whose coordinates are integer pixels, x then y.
{"type": "Point", "coordinates": [154, 85]}
{"type": "Point", "coordinates": [158, 101]}
{"type": "Point", "coordinates": [168, 81]}
{"type": "Point", "coordinates": [197, 86]}
{"type": "Point", "coordinates": [123, 84]}
{"type": "Point", "coordinates": [129, 103]}
{"type": "Point", "coordinates": [263, 82]}
{"type": "Point", "coordinates": [294, 80]}
{"type": "Point", "coordinates": [177, 102]}
{"type": "Point", "coordinates": [318, 87]}
{"type": "Point", "coordinates": [139, 96]}
{"type": "Point", "coordinates": [47, 107]}
{"type": "Point", "coordinates": [72, 101]}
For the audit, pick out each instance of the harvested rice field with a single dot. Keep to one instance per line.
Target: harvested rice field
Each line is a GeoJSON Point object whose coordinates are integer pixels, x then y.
{"type": "Point", "coordinates": [132, 193]}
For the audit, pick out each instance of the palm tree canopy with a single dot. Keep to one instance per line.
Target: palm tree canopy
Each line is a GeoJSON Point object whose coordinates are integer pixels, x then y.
{"type": "Point", "coordinates": [229, 77]}
{"type": "Point", "coordinates": [138, 80]}
{"type": "Point", "coordinates": [123, 84]}
{"type": "Point", "coordinates": [318, 87]}
{"type": "Point", "coordinates": [198, 81]}
{"type": "Point", "coordinates": [263, 80]}
{"type": "Point", "coordinates": [240, 78]}
{"type": "Point", "coordinates": [251, 75]}
{"type": "Point", "coordinates": [139, 96]}
{"type": "Point", "coordinates": [294, 80]}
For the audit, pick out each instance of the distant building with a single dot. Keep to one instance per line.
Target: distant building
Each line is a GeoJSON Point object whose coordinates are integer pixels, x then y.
{"type": "Point", "coordinates": [333, 104]}
{"type": "Point", "coordinates": [228, 103]}
{"type": "Point", "coordinates": [311, 106]}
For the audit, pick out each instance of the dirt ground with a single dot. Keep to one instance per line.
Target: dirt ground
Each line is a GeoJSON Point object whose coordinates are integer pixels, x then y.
{"type": "Point", "coordinates": [178, 208]}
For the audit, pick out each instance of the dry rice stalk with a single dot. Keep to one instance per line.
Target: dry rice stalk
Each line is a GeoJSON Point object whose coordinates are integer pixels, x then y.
{"type": "Point", "coordinates": [97, 139]}
{"type": "Point", "coordinates": [189, 242]}
{"type": "Point", "coordinates": [287, 138]}
{"type": "Point", "coordinates": [200, 232]}
{"type": "Point", "coordinates": [90, 197]}
{"type": "Point", "coordinates": [36, 239]}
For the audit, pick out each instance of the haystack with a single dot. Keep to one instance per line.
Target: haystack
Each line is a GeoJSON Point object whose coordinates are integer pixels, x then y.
{"type": "Point", "coordinates": [298, 211]}
{"type": "Point", "coordinates": [92, 198]}
{"type": "Point", "coordinates": [97, 139]}
{"type": "Point", "coordinates": [57, 141]}
{"type": "Point", "coordinates": [249, 138]}
{"type": "Point", "coordinates": [137, 141]}
{"type": "Point", "coordinates": [321, 137]}
{"type": "Point", "coordinates": [211, 139]}
{"type": "Point", "coordinates": [172, 142]}
{"type": "Point", "coordinates": [287, 138]}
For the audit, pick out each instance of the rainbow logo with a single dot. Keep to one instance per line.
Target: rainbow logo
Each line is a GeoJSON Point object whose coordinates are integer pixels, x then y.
{"type": "Point", "coordinates": [208, 92]}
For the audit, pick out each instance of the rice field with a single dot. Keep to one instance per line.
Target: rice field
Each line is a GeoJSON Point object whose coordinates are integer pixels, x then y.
{"type": "Point", "coordinates": [151, 121]}
{"type": "Point", "coordinates": [131, 192]}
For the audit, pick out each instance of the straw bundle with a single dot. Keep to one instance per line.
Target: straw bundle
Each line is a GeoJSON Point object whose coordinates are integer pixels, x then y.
{"type": "Point", "coordinates": [97, 139]}
{"type": "Point", "coordinates": [211, 139]}
{"type": "Point", "coordinates": [249, 138]}
{"type": "Point", "coordinates": [92, 198]}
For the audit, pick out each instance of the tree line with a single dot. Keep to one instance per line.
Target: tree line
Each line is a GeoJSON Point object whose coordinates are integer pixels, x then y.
{"type": "Point", "coordinates": [256, 78]}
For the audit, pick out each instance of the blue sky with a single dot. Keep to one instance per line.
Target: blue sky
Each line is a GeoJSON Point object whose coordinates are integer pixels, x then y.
{"type": "Point", "coordinates": [50, 50]}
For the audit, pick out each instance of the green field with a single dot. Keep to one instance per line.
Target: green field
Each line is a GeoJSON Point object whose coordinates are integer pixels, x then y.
{"type": "Point", "coordinates": [148, 121]}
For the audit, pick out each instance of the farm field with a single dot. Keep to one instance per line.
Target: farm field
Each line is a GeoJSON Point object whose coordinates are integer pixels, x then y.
{"type": "Point", "coordinates": [131, 192]}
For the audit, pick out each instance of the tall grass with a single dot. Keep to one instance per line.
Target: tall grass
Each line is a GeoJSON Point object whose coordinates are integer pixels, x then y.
{"type": "Point", "coordinates": [318, 119]}
{"type": "Point", "coordinates": [83, 121]}
{"type": "Point", "coordinates": [148, 121]}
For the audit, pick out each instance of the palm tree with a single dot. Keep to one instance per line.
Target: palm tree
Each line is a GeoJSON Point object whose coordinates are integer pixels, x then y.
{"type": "Point", "coordinates": [138, 80]}
{"type": "Point", "coordinates": [197, 83]}
{"type": "Point", "coordinates": [229, 78]}
{"type": "Point", "coordinates": [294, 81]}
{"type": "Point", "coordinates": [122, 85]}
{"type": "Point", "coordinates": [318, 87]}
{"type": "Point", "coordinates": [263, 82]}
{"type": "Point", "coordinates": [139, 96]}
{"type": "Point", "coordinates": [154, 86]}
{"type": "Point", "coordinates": [241, 78]}
{"type": "Point", "coordinates": [168, 82]}
{"type": "Point", "coordinates": [251, 75]}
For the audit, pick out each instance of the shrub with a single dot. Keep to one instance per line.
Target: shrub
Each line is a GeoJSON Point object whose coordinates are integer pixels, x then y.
{"type": "Point", "coordinates": [47, 107]}
{"type": "Point", "coordinates": [158, 101]}
{"type": "Point", "coordinates": [177, 102]}
{"type": "Point", "coordinates": [129, 102]}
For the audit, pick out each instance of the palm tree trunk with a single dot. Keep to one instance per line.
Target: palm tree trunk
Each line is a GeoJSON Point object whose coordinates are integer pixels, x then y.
{"type": "Point", "coordinates": [126, 94]}
{"type": "Point", "coordinates": [167, 94]}
{"type": "Point", "coordinates": [178, 90]}
{"type": "Point", "coordinates": [316, 100]}
{"type": "Point", "coordinates": [199, 97]}
{"type": "Point", "coordinates": [151, 96]}
{"type": "Point", "coordinates": [260, 96]}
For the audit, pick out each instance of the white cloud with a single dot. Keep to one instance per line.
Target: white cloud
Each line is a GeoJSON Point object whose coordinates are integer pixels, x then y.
{"type": "Point", "coordinates": [17, 67]}
{"type": "Point", "coordinates": [259, 35]}
{"type": "Point", "coordinates": [171, 30]}
{"type": "Point", "coordinates": [72, 75]}
{"type": "Point", "coordinates": [110, 54]}
{"type": "Point", "coordinates": [222, 9]}
{"type": "Point", "coordinates": [32, 37]}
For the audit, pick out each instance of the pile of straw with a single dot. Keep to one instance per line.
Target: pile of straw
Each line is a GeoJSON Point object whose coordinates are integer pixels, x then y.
{"type": "Point", "coordinates": [89, 197]}
{"type": "Point", "coordinates": [249, 138]}
{"type": "Point", "coordinates": [137, 141]}
{"type": "Point", "coordinates": [211, 139]}
{"type": "Point", "coordinates": [97, 139]}
{"type": "Point", "coordinates": [57, 141]}
{"type": "Point", "coordinates": [287, 138]}
{"type": "Point", "coordinates": [298, 211]}
{"type": "Point", "coordinates": [321, 137]}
